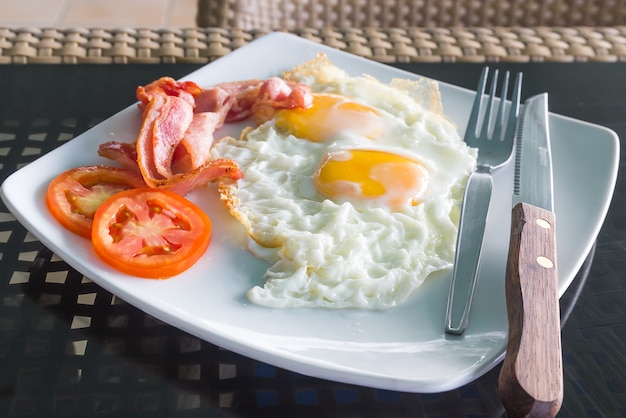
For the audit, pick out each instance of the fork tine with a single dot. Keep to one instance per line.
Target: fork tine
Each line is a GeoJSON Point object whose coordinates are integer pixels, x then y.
{"type": "Point", "coordinates": [487, 118]}
{"type": "Point", "coordinates": [500, 118]}
{"type": "Point", "coordinates": [474, 118]}
{"type": "Point", "coordinates": [515, 105]}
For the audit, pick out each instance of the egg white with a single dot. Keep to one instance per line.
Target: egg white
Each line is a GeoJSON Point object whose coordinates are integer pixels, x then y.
{"type": "Point", "coordinates": [335, 253]}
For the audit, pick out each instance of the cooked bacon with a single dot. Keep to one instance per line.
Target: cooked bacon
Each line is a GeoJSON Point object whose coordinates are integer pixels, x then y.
{"type": "Point", "coordinates": [209, 172]}
{"type": "Point", "coordinates": [283, 94]}
{"type": "Point", "coordinates": [212, 100]}
{"type": "Point", "coordinates": [233, 101]}
{"type": "Point", "coordinates": [242, 98]}
{"type": "Point", "coordinates": [173, 147]}
{"type": "Point", "coordinates": [167, 86]}
{"type": "Point", "coordinates": [276, 93]}
{"type": "Point", "coordinates": [199, 136]}
{"type": "Point", "coordinates": [167, 131]}
{"type": "Point", "coordinates": [244, 94]}
{"type": "Point", "coordinates": [215, 100]}
{"type": "Point", "coordinates": [145, 144]}
{"type": "Point", "coordinates": [124, 153]}
{"type": "Point", "coordinates": [181, 183]}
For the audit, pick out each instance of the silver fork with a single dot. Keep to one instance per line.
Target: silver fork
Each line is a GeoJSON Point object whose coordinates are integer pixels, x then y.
{"type": "Point", "coordinates": [494, 140]}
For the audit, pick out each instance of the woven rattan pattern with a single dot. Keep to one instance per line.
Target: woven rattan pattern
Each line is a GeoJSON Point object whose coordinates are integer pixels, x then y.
{"type": "Point", "coordinates": [268, 14]}
{"type": "Point", "coordinates": [203, 45]}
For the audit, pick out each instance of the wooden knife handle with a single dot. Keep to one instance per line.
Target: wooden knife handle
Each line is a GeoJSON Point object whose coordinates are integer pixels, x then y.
{"type": "Point", "coordinates": [531, 378]}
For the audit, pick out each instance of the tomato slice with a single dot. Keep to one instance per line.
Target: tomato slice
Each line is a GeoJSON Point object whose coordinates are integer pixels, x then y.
{"type": "Point", "coordinates": [74, 195]}
{"type": "Point", "coordinates": [150, 233]}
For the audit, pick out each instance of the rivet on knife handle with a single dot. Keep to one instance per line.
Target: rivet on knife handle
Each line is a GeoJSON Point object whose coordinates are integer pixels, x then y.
{"type": "Point", "coordinates": [531, 378]}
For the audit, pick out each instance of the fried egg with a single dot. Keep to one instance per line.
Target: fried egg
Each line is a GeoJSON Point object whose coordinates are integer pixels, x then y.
{"type": "Point", "coordinates": [355, 201]}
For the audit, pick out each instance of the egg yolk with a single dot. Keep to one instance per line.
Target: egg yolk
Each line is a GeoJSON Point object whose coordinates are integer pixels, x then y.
{"type": "Point", "coordinates": [329, 116]}
{"type": "Point", "coordinates": [384, 178]}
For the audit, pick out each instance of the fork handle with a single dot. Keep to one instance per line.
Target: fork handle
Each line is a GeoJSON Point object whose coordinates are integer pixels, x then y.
{"type": "Point", "coordinates": [468, 247]}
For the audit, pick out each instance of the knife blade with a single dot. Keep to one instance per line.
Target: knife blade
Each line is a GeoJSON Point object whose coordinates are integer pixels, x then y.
{"type": "Point", "coordinates": [531, 378]}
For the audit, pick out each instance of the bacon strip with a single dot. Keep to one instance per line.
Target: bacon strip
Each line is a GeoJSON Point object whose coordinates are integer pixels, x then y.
{"type": "Point", "coordinates": [124, 153]}
{"type": "Point", "coordinates": [276, 93]}
{"type": "Point", "coordinates": [210, 171]}
{"type": "Point", "coordinates": [199, 136]}
{"type": "Point", "coordinates": [145, 145]}
{"type": "Point", "coordinates": [182, 183]}
{"type": "Point", "coordinates": [283, 94]}
{"type": "Point", "coordinates": [174, 116]}
{"type": "Point", "coordinates": [173, 147]}
{"type": "Point", "coordinates": [233, 99]}
{"type": "Point", "coordinates": [167, 86]}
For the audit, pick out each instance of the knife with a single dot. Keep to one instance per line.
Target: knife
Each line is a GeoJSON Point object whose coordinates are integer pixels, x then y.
{"type": "Point", "coordinates": [531, 377]}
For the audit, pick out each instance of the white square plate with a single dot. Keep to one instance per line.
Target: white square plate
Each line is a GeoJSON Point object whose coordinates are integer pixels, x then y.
{"type": "Point", "coordinates": [401, 349]}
